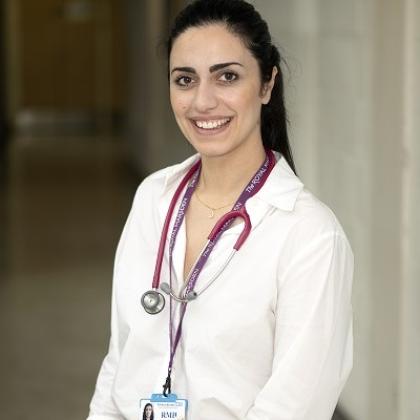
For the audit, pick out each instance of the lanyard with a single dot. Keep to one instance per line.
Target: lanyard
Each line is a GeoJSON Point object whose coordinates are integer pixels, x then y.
{"type": "Point", "coordinates": [251, 189]}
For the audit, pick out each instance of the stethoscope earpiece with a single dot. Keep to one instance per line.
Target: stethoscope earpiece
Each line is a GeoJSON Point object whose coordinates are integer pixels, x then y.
{"type": "Point", "coordinates": [191, 295]}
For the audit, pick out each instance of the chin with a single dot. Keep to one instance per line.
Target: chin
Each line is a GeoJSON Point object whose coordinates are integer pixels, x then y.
{"type": "Point", "coordinates": [212, 150]}
{"type": "Point", "coordinates": [210, 144]}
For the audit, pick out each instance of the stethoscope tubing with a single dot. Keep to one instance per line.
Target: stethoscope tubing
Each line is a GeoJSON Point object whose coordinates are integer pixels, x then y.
{"type": "Point", "coordinates": [188, 291]}
{"type": "Point", "coordinates": [193, 294]}
{"type": "Point", "coordinates": [217, 274]}
{"type": "Point", "coordinates": [165, 229]}
{"type": "Point", "coordinates": [233, 214]}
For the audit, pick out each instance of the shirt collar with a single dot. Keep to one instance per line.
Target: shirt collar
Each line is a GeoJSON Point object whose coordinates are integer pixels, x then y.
{"type": "Point", "coordinates": [174, 173]}
{"type": "Point", "coordinates": [282, 186]}
{"type": "Point", "coordinates": [280, 190]}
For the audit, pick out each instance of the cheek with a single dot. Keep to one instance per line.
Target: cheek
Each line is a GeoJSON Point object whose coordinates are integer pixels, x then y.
{"type": "Point", "coordinates": [245, 102]}
{"type": "Point", "coordinates": [179, 103]}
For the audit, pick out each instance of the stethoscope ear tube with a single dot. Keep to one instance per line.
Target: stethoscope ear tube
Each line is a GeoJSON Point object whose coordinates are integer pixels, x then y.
{"type": "Point", "coordinates": [191, 295]}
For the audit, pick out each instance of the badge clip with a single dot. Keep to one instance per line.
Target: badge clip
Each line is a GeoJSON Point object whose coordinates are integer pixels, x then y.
{"type": "Point", "coordinates": [167, 385]}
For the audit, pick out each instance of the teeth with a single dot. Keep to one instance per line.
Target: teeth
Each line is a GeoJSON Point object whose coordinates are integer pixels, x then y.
{"type": "Point", "coordinates": [211, 124]}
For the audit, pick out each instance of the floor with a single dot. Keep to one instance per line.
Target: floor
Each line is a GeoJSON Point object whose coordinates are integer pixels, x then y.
{"type": "Point", "coordinates": [63, 203]}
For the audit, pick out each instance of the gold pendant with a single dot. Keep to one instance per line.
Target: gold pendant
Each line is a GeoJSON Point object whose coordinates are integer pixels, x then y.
{"type": "Point", "coordinates": [211, 214]}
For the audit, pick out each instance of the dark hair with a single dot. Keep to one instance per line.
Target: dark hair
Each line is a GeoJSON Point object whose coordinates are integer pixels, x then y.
{"type": "Point", "coordinates": [144, 411]}
{"type": "Point", "coordinates": [242, 19]}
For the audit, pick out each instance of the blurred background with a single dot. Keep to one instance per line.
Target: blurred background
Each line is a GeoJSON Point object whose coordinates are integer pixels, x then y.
{"type": "Point", "coordinates": [84, 115]}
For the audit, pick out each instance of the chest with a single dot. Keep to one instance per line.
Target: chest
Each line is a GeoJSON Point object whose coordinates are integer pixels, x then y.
{"type": "Point", "coordinates": [198, 225]}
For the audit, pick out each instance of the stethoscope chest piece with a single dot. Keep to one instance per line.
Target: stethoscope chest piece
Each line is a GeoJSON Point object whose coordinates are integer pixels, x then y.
{"type": "Point", "coordinates": [153, 302]}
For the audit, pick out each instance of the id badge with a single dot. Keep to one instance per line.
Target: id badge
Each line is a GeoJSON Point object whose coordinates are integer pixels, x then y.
{"type": "Point", "coordinates": [159, 407]}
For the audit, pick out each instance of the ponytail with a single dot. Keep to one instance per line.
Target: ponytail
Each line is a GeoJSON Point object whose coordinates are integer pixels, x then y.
{"type": "Point", "coordinates": [273, 115]}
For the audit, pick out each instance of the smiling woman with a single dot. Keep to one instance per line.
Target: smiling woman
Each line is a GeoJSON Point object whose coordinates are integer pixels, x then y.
{"type": "Point", "coordinates": [259, 322]}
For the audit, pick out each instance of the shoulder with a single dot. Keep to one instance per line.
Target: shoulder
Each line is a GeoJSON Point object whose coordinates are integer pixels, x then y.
{"type": "Point", "coordinates": [313, 216]}
{"type": "Point", "coordinates": [315, 233]}
{"type": "Point", "coordinates": [301, 211]}
{"type": "Point", "coordinates": [151, 186]}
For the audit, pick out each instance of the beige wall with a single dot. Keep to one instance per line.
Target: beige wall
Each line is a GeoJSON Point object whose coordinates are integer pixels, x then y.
{"type": "Point", "coordinates": [410, 231]}
{"type": "Point", "coordinates": [354, 102]}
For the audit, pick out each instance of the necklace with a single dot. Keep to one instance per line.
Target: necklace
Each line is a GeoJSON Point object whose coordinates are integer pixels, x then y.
{"type": "Point", "coordinates": [212, 209]}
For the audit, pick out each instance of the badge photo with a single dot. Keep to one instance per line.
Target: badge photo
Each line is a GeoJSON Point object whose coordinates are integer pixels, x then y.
{"type": "Point", "coordinates": [159, 407]}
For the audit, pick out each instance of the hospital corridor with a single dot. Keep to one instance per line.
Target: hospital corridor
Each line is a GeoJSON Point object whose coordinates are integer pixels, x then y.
{"type": "Point", "coordinates": [65, 206]}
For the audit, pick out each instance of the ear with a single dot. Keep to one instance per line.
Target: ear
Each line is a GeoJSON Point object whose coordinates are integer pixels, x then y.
{"type": "Point", "coordinates": [268, 87]}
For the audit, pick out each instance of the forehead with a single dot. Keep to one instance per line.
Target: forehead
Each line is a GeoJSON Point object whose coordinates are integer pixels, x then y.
{"type": "Point", "coordinates": [207, 45]}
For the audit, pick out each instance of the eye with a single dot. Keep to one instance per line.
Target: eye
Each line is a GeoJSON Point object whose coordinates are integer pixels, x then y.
{"type": "Point", "coordinates": [228, 77]}
{"type": "Point", "coordinates": [184, 81]}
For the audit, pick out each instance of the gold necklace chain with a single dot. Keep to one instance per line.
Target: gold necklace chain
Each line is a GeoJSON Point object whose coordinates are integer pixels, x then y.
{"type": "Point", "coordinates": [212, 209]}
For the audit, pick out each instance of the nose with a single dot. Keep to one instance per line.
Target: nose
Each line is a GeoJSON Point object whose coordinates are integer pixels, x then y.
{"type": "Point", "coordinates": [205, 98]}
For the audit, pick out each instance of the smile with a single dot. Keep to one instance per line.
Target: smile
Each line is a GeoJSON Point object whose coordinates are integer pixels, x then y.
{"type": "Point", "coordinates": [211, 124]}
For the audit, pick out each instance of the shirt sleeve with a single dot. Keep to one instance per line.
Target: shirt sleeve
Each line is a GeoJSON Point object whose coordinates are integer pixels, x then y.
{"type": "Point", "coordinates": [102, 406]}
{"type": "Point", "coordinates": [313, 352]}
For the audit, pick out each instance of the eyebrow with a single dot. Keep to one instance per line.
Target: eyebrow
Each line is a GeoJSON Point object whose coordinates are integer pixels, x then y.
{"type": "Point", "coordinates": [212, 69]}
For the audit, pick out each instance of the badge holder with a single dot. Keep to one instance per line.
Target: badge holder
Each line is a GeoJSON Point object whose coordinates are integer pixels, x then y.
{"type": "Point", "coordinates": [162, 407]}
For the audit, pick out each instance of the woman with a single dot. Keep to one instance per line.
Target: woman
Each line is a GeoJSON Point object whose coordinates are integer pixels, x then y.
{"type": "Point", "coordinates": [269, 335]}
{"type": "Point", "coordinates": [148, 412]}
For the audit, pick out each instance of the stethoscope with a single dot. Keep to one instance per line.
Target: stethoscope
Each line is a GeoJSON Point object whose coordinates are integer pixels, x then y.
{"type": "Point", "coordinates": [233, 214]}
{"type": "Point", "coordinates": [153, 301]}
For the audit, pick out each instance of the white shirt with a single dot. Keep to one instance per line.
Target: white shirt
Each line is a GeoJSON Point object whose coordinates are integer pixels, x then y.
{"type": "Point", "coordinates": [270, 339]}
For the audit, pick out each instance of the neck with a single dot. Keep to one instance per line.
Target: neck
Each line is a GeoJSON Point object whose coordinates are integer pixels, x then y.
{"type": "Point", "coordinates": [226, 176]}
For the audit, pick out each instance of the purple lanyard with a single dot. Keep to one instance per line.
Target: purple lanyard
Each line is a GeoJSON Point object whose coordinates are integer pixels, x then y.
{"type": "Point", "coordinates": [251, 189]}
